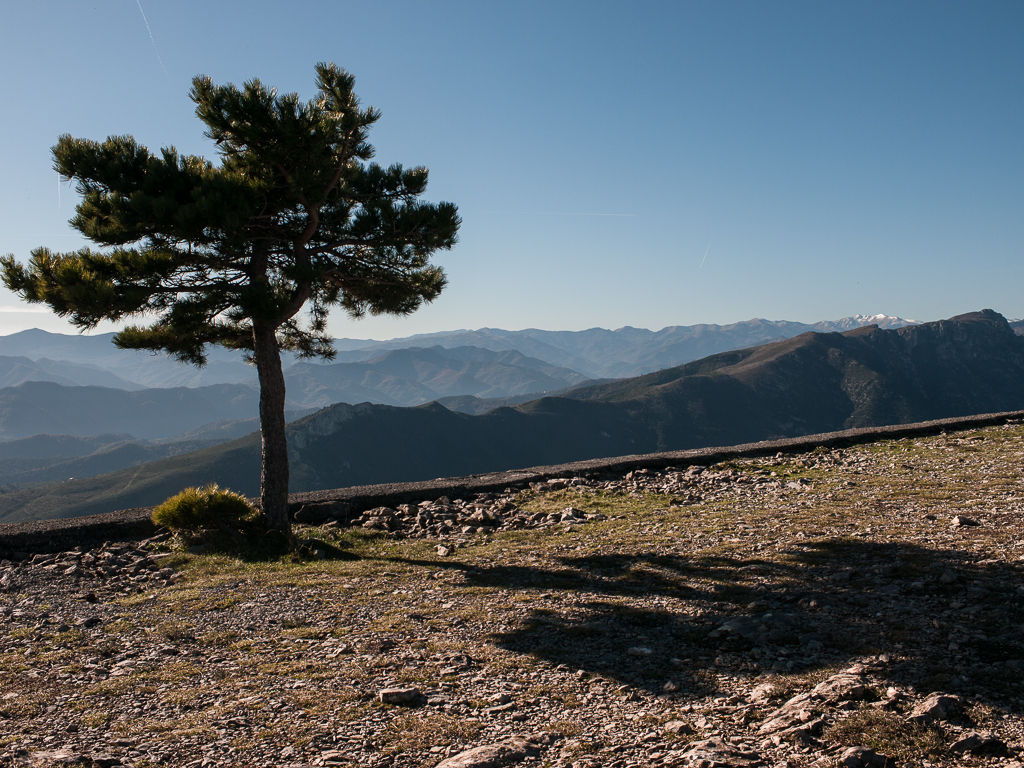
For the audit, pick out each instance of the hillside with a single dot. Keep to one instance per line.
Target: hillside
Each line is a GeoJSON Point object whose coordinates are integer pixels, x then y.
{"type": "Point", "coordinates": [813, 383]}
{"type": "Point", "coordinates": [233, 465]}
{"type": "Point", "coordinates": [816, 382]}
{"type": "Point", "coordinates": [111, 453]}
{"type": "Point", "coordinates": [38, 407]}
{"type": "Point", "coordinates": [138, 367]}
{"type": "Point", "coordinates": [471, 371]}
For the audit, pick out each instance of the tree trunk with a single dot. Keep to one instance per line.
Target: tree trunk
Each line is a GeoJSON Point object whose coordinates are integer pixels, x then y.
{"type": "Point", "coordinates": [274, 475]}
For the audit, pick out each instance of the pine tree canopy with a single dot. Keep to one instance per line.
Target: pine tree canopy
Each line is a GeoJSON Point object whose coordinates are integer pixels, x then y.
{"type": "Point", "coordinates": [294, 220]}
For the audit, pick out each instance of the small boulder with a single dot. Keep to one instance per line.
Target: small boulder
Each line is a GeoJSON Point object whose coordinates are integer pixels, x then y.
{"type": "Point", "coordinates": [482, 518]}
{"type": "Point", "coordinates": [678, 727]}
{"type": "Point", "coordinates": [979, 744]}
{"type": "Point", "coordinates": [805, 733]}
{"type": "Point", "coordinates": [399, 695]}
{"type": "Point", "coordinates": [863, 757]}
{"type": "Point", "coordinates": [938, 706]}
{"type": "Point", "coordinates": [763, 693]}
{"type": "Point", "coordinates": [715, 751]}
{"type": "Point", "coordinates": [487, 756]}
{"type": "Point", "coordinates": [841, 687]}
{"type": "Point", "coordinates": [513, 750]}
{"type": "Point", "coordinates": [802, 708]}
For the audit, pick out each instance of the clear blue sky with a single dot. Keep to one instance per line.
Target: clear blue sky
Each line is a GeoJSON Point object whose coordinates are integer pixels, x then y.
{"type": "Point", "coordinates": [644, 164]}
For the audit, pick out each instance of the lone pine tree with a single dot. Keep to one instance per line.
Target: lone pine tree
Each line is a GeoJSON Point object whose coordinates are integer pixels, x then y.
{"type": "Point", "coordinates": [252, 253]}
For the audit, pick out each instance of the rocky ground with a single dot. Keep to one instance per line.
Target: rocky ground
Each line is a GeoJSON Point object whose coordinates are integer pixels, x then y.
{"type": "Point", "coordinates": [857, 607]}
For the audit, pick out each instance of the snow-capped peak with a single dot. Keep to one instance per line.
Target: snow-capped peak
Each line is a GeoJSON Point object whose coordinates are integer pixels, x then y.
{"type": "Point", "coordinates": [859, 321]}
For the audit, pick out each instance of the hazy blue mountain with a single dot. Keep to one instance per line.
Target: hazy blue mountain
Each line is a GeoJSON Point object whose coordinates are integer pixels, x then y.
{"type": "Point", "coordinates": [395, 377]}
{"type": "Point", "coordinates": [626, 352]}
{"type": "Point", "coordinates": [17, 370]}
{"type": "Point", "coordinates": [227, 411]}
{"type": "Point", "coordinates": [39, 407]}
{"type": "Point", "coordinates": [415, 376]}
{"type": "Point", "coordinates": [228, 429]}
{"type": "Point", "coordinates": [478, 405]}
{"type": "Point", "coordinates": [24, 470]}
{"type": "Point", "coordinates": [48, 458]}
{"type": "Point", "coordinates": [95, 349]}
{"type": "Point", "coordinates": [141, 369]}
{"type": "Point", "coordinates": [593, 353]}
{"type": "Point", "coordinates": [815, 382]}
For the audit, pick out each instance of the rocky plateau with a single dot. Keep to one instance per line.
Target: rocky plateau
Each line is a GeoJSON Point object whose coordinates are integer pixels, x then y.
{"type": "Point", "coordinates": [840, 607]}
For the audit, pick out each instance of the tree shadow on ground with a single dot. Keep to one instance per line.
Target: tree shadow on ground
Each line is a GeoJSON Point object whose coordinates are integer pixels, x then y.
{"type": "Point", "coordinates": [674, 623]}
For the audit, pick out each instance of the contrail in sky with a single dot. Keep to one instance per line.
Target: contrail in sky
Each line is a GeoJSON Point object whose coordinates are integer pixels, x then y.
{"type": "Point", "coordinates": [705, 255]}
{"type": "Point", "coordinates": [146, 21]}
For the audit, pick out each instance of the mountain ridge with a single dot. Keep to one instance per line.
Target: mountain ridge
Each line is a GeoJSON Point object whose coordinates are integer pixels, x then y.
{"type": "Point", "coordinates": [593, 353]}
{"type": "Point", "coordinates": [808, 384]}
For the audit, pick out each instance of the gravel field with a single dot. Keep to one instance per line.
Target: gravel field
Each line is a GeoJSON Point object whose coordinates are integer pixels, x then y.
{"type": "Point", "coordinates": [840, 607]}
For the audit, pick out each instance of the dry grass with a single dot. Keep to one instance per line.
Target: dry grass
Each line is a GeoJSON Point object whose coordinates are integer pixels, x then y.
{"type": "Point", "coordinates": [889, 734]}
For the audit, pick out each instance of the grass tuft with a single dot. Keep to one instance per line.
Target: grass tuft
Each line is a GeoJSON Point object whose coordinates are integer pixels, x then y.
{"type": "Point", "coordinates": [209, 507]}
{"type": "Point", "coordinates": [888, 734]}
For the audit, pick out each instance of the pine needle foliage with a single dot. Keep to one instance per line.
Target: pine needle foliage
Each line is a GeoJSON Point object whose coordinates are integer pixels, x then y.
{"type": "Point", "coordinates": [251, 253]}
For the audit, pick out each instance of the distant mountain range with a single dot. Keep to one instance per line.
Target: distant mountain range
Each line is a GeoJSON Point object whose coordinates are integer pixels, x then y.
{"type": "Point", "coordinates": [417, 375]}
{"type": "Point", "coordinates": [140, 369]}
{"type": "Point", "coordinates": [402, 377]}
{"type": "Point", "coordinates": [18, 370]}
{"type": "Point", "coordinates": [595, 353]}
{"type": "Point", "coordinates": [470, 371]}
{"type": "Point", "coordinates": [42, 407]}
{"type": "Point", "coordinates": [812, 383]}
{"type": "Point", "coordinates": [626, 352]}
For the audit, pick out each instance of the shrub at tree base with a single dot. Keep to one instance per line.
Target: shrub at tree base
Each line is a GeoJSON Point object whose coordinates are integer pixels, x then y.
{"type": "Point", "coordinates": [212, 519]}
{"type": "Point", "coordinates": [211, 507]}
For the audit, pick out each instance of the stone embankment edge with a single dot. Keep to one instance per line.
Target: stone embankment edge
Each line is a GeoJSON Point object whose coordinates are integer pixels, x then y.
{"type": "Point", "coordinates": [134, 524]}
